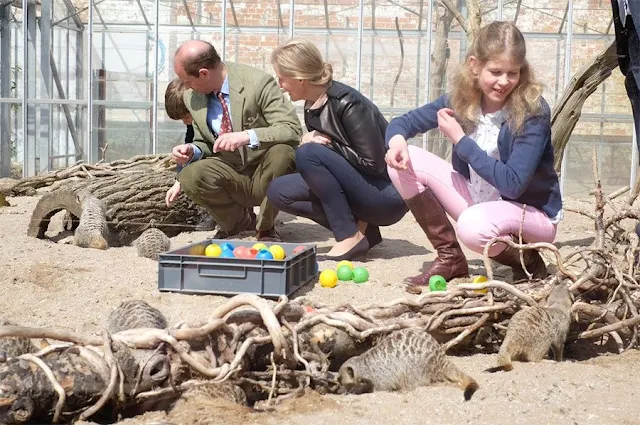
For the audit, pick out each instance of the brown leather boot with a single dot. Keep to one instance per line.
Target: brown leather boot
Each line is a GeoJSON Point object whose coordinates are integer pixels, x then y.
{"type": "Point", "coordinates": [532, 260]}
{"type": "Point", "coordinates": [433, 220]}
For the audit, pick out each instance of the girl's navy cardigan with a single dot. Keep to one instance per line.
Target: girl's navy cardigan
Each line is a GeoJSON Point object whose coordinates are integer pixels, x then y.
{"type": "Point", "coordinates": [524, 173]}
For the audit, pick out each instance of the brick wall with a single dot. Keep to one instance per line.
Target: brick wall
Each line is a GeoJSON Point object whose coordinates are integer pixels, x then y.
{"type": "Point", "coordinates": [248, 41]}
{"type": "Point", "coordinates": [381, 52]}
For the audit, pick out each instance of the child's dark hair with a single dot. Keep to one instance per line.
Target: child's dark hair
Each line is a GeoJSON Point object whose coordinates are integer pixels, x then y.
{"type": "Point", "coordinates": [173, 100]}
{"type": "Point", "coordinates": [495, 39]}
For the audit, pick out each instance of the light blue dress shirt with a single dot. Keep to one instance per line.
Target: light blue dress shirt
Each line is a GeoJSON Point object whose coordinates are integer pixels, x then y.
{"type": "Point", "coordinates": [214, 118]}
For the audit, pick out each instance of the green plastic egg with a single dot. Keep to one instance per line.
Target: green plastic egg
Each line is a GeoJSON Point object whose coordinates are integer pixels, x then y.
{"type": "Point", "coordinates": [360, 275]}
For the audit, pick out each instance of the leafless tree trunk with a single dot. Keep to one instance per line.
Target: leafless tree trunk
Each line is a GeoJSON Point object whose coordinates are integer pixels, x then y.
{"type": "Point", "coordinates": [437, 78]}
{"type": "Point", "coordinates": [395, 81]}
{"type": "Point", "coordinates": [567, 111]}
{"type": "Point", "coordinates": [474, 20]}
{"type": "Point", "coordinates": [440, 55]}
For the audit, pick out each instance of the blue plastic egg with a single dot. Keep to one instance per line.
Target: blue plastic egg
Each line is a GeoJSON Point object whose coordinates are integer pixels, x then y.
{"type": "Point", "coordinates": [264, 254]}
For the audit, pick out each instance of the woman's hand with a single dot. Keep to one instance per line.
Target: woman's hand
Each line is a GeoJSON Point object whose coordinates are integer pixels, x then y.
{"type": "Point", "coordinates": [449, 126]}
{"type": "Point", "coordinates": [315, 137]}
{"type": "Point", "coordinates": [397, 156]}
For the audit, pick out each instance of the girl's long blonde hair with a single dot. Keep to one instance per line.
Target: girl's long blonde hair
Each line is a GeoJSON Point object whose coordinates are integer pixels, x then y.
{"type": "Point", "coordinates": [302, 60]}
{"type": "Point", "coordinates": [493, 40]}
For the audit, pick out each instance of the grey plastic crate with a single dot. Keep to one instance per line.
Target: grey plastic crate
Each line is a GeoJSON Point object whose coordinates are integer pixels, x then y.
{"type": "Point", "coordinates": [184, 270]}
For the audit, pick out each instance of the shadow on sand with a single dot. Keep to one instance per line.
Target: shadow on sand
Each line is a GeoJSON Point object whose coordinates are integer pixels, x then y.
{"type": "Point", "coordinates": [575, 242]}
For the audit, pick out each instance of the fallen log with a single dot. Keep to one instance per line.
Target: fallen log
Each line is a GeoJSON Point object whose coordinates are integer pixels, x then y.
{"type": "Point", "coordinates": [28, 185]}
{"type": "Point", "coordinates": [133, 202]}
{"type": "Point", "coordinates": [48, 391]}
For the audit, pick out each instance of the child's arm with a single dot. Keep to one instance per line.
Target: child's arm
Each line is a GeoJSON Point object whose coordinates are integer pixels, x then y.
{"type": "Point", "coordinates": [404, 127]}
{"type": "Point", "coordinates": [172, 193]}
{"type": "Point", "coordinates": [188, 137]}
{"type": "Point", "coordinates": [419, 120]}
{"type": "Point", "coordinates": [188, 140]}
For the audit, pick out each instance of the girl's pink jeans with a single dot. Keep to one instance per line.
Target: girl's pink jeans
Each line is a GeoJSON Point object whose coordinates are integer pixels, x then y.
{"type": "Point", "coordinates": [477, 223]}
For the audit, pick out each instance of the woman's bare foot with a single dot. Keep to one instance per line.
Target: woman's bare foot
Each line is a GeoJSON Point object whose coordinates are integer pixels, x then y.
{"type": "Point", "coordinates": [345, 245]}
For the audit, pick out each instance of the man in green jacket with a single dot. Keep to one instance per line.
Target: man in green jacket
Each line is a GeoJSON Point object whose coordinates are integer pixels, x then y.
{"type": "Point", "coordinates": [245, 135]}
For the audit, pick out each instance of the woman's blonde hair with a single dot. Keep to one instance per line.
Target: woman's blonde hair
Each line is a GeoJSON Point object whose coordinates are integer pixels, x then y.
{"type": "Point", "coordinates": [302, 60]}
{"type": "Point", "coordinates": [493, 40]}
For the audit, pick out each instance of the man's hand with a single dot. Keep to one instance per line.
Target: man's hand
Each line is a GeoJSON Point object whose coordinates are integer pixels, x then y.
{"type": "Point", "coordinates": [231, 141]}
{"type": "Point", "coordinates": [315, 137]}
{"type": "Point", "coordinates": [449, 126]}
{"type": "Point", "coordinates": [182, 153]}
{"type": "Point", "coordinates": [172, 193]}
{"type": "Point", "coordinates": [397, 156]}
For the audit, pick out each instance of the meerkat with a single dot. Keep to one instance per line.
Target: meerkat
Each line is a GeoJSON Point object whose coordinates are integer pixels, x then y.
{"type": "Point", "coordinates": [14, 346]}
{"type": "Point", "coordinates": [403, 360]}
{"type": "Point", "coordinates": [92, 231]}
{"type": "Point", "coordinates": [201, 403]}
{"type": "Point", "coordinates": [152, 366]}
{"type": "Point", "coordinates": [134, 314]}
{"type": "Point", "coordinates": [534, 330]}
{"type": "Point", "coordinates": [211, 391]}
{"type": "Point", "coordinates": [152, 242]}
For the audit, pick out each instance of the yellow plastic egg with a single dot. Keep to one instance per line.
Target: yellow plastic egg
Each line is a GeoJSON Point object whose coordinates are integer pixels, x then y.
{"type": "Point", "coordinates": [480, 279]}
{"type": "Point", "coordinates": [197, 249]}
{"type": "Point", "coordinates": [278, 252]}
{"type": "Point", "coordinates": [213, 250]}
{"type": "Point", "coordinates": [345, 263]}
{"type": "Point", "coordinates": [328, 279]}
{"type": "Point", "coordinates": [259, 246]}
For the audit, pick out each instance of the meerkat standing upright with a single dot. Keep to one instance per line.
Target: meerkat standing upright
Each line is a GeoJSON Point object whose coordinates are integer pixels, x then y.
{"type": "Point", "coordinates": [535, 330]}
{"type": "Point", "coordinates": [403, 360]}
{"type": "Point", "coordinates": [93, 230]}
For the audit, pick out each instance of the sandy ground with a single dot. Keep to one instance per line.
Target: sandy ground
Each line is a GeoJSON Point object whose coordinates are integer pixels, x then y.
{"type": "Point", "coordinates": [44, 283]}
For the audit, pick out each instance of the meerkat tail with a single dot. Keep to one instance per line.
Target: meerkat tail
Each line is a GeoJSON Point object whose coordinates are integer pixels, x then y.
{"type": "Point", "coordinates": [469, 386]}
{"type": "Point", "coordinates": [464, 381]}
{"type": "Point", "coordinates": [504, 363]}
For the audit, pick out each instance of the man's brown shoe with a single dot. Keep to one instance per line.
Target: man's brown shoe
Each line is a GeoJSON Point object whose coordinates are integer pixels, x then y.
{"type": "Point", "coordinates": [269, 235]}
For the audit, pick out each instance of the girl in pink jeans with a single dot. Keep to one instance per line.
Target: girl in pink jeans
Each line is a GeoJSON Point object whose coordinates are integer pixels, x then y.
{"type": "Point", "coordinates": [502, 160]}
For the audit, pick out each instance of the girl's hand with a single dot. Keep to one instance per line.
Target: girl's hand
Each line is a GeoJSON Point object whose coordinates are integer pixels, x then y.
{"type": "Point", "coordinates": [172, 193]}
{"type": "Point", "coordinates": [315, 137]}
{"type": "Point", "coordinates": [397, 156]}
{"type": "Point", "coordinates": [449, 126]}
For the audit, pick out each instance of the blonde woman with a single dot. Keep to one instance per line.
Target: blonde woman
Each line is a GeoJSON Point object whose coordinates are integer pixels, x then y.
{"type": "Point", "coordinates": [342, 181]}
{"type": "Point", "coordinates": [502, 162]}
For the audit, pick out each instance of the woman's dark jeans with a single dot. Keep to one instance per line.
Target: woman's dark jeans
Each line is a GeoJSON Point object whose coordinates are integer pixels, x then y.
{"type": "Point", "coordinates": [330, 191]}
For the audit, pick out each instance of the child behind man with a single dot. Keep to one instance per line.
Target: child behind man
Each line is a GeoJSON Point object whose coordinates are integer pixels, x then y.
{"type": "Point", "coordinates": [177, 110]}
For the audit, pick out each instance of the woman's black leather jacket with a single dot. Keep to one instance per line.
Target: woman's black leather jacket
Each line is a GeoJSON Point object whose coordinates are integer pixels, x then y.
{"type": "Point", "coordinates": [355, 126]}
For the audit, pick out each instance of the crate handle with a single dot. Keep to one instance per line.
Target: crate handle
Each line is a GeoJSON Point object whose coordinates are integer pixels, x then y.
{"type": "Point", "coordinates": [223, 275]}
